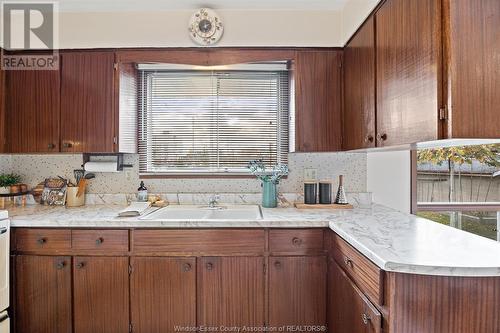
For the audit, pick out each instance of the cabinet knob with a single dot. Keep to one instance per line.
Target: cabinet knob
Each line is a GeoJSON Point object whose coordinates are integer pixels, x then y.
{"type": "Point", "coordinates": [187, 267]}
{"type": "Point", "coordinates": [41, 240]}
{"type": "Point", "coordinates": [366, 318]}
{"type": "Point", "coordinates": [296, 241]}
{"type": "Point", "coordinates": [277, 264]}
{"type": "Point", "coordinates": [51, 146]}
{"type": "Point", "coordinates": [209, 266]}
{"type": "Point", "coordinates": [99, 241]}
{"type": "Point", "coordinates": [381, 137]}
{"type": "Point", "coordinates": [369, 138]}
{"type": "Point", "coordinates": [67, 145]}
{"type": "Point", "coordinates": [348, 262]}
{"type": "Point", "coordinates": [60, 265]}
{"type": "Point", "coordinates": [80, 265]}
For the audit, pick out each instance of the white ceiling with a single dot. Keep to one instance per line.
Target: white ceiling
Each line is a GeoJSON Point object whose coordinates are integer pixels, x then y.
{"type": "Point", "coordinates": [155, 5]}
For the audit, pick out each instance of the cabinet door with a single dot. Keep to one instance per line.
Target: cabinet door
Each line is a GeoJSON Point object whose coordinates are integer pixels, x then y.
{"type": "Point", "coordinates": [297, 291]}
{"type": "Point", "coordinates": [101, 294]}
{"type": "Point", "coordinates": [32, 111]}
{"type": "Point", "coordinates": [231, 291]}
{"type": "Point", "coordinates": [43, 294]}
{"type": "Point", "coordinates": [318, 101]}
{"type": "Point", "coordinates": [2, 111]}
{"type": "Point", "coordinates": [408, 35]}
{"type": "Point", "coordinates": [349, 311]}
{"type": "Point", "coordinates": [87, 102]}
{"type": "Point", "coordinates": [474, 69]}
{"type": "Point", "coordinates": [163, 294]}
{"type": "Point", "coordinates": [359, 89]}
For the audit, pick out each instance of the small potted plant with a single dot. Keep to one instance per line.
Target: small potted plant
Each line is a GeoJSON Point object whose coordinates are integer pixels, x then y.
{"type": "Point", "coordinates": [8, 180]}
{"type": "Point", "coordinates": [270, 180]}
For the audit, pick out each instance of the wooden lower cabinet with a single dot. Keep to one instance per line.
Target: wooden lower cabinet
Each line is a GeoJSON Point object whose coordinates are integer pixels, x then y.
{"type": "Point", "coordinates": [42, 294]}
{"type": "Point", "coordinates": [231, 291]}
{"type": "Point", "coordinates": [297, 291]}
{"type": "Point", "coordinates": [162, 294]}
{"type": "Point", "coordinates": [101, 294]}
{"type": "Point", "coordinates": [349, 311]}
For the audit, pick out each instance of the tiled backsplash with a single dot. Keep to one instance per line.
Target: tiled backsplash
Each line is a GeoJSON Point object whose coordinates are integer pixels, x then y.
{"type": "Point", "coordinates": [35, 168]}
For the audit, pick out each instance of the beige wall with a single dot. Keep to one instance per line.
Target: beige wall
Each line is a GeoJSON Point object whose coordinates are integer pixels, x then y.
{"type": "Point", "coordinates": [353, 14]}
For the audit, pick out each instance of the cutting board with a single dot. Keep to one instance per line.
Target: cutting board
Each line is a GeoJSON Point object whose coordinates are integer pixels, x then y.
{"type": "Point", "coordinates": [318, 206]}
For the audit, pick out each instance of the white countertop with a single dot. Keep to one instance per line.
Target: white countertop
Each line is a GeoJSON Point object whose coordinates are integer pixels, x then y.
{"type": "Point", "coordinates": [392, 240]}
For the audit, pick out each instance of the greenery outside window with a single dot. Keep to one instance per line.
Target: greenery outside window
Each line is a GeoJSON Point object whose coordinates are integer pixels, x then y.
{"type": "Point", "coordinates": [460, 187]}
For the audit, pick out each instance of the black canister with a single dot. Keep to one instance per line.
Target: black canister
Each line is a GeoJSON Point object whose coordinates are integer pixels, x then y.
{"type": "Point", "coordinates": [325, 192]}
{"type": "Point", "coordinates": [310, 193]}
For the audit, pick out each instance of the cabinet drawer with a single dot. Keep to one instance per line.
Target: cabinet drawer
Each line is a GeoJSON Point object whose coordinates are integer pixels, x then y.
{"type": "Point", "coordinates": [366, 275]}
{"type": "Point", "coordinates": [109, 240]}
{"type": "Point", "coordinates": [199, 241]}
{"type": "Point", "coordinates": [295, 240]}
{"type": "Point", "coordinates": [43, 239]}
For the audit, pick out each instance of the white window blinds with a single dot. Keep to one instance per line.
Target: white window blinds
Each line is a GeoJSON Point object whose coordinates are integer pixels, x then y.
{"type": "Point", "coordinates": [212, 121]}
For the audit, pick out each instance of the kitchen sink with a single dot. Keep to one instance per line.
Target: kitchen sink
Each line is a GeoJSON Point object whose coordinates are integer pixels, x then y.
{"type": "Point", "coordinates": [196, 212]}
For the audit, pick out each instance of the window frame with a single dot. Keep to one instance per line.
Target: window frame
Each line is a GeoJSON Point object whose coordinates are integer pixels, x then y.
{"type": "Point", "coordinates": [206, 173]}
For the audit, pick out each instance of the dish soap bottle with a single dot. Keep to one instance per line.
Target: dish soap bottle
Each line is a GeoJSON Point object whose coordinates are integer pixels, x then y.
{"type": "Point", "coordinates": [142, 193]}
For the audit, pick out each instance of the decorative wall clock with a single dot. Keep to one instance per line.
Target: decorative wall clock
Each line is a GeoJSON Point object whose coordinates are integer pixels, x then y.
{"type": "Point", "coordinates": [205, 27]}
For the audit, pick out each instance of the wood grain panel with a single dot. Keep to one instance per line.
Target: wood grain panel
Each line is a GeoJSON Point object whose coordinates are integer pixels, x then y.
{"type": "Point", "coordinates": [347, 305]}
{"type": "Point", "coordinates": [101, 294]}
{"type": "Point", "coordinates": [206, 242]}
{"type": "Point", "coordinates": [163, 294]}
{"type": "Point", "coordinates": [359, 89]}
{"type": "Point", "coordinates": [318, 101]}
{"type": "Point", "coordinates": [408, 35]}
{"type": "Point", "coordinates": [295, 240]}
{"type": "Point", "coordinates": [102, 240]}
{"type": "Point", "coordinates": [2, 109]}
{"type": "Point", "coordinates": [473, 53]}
{"type": "Point", "coordinates": [297, 291]}
{"type": "Point", "coordinates": [43, 294]}
{"type": "Point", "coordinates": [32, 111]}
{"type": "Point", "coordinates": [364, 273]}
{"type": "Point", "coordinates": [206, 57]}
{"type": "Point", "coordinates": [87, 102]}
{"type": "Point", "coordinates": [438, 304]}
{"type": "Point", "coordinates": [231, 291]}
{"type": "Point", "coordinates": [126, 100]}
{"type": "Point", "coordinates": [43, 240]}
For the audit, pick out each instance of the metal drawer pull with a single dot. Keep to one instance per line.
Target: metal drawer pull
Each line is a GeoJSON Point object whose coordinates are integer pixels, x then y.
{"type": "Point", "coordinates": [348, 262]}
{"type": "Point", "coordinates": [296, 241]}
{"type": "Point", "coordinates": [99, 241]}
{"type": "Point", "coordinates": [210, 266]}
{"type": "Point", "coordinates": [3, 231]}
{"type": "Point", "coordinates": [277, 264]}
{"type": "Point", "coordinates": [41, 241]}
{"type": "Point", "coordinates": [187, 267]}
{"type": "Point", "coordinates": [366, 318]}
{"type": "Point", "coordinates": [60, 265]}
{"type": "Point", "coordinates": [80, 265]}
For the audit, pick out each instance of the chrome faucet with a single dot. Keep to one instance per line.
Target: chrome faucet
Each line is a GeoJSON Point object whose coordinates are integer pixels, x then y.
{"type": "Point", "coordinates": [213, 201]}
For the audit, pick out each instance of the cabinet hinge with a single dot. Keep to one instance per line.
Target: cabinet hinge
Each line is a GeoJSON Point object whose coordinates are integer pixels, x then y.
{"type": "Point", "coordinates": [130, 328]}
{"type": "Point", "coordinates": [443, 114]}
{"type": "Point", "coordinates": [115, 140]}
{"type": "Point", "coordinates": [265, 269]}
{"type": "Point", "coordinates": [115, 66]}
{"type": "Point", "coordinates": [130, 270]}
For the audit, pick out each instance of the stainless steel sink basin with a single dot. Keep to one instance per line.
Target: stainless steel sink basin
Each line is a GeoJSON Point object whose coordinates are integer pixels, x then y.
{"type": "Point", "coordinates": [196, 212]}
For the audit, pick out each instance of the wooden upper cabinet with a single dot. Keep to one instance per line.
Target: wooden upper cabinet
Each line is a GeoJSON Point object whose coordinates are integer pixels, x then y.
{"type": "Point", "coordinates": [163, 293]}
{"type": "Point", "coordinates": [318, 100]}
{"type": "Point", "coordinates": [297, 291]}
{"type": "Point", "coordinates": [101, 294]}
{"type": "Point", "coordinates": [2, 111]}
{"type": "Point", "coordinates": [473, 44]}
{"type": "Point", "coordinates": [43, 294]}
{"type": "Point", "coordinates": [87, 102]}
{"type": "Point", "coordinates": [32, 111]}
{"type": "Point", "coordinates": [359, 89]}
{"type": "Point", "coordinates": [408, 62]}
{"type": "Point", "coordinates": [230, 291]}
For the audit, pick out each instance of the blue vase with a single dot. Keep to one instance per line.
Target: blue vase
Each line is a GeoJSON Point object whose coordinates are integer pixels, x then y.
{"type": "Point", "coordinates": [269, 194]}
